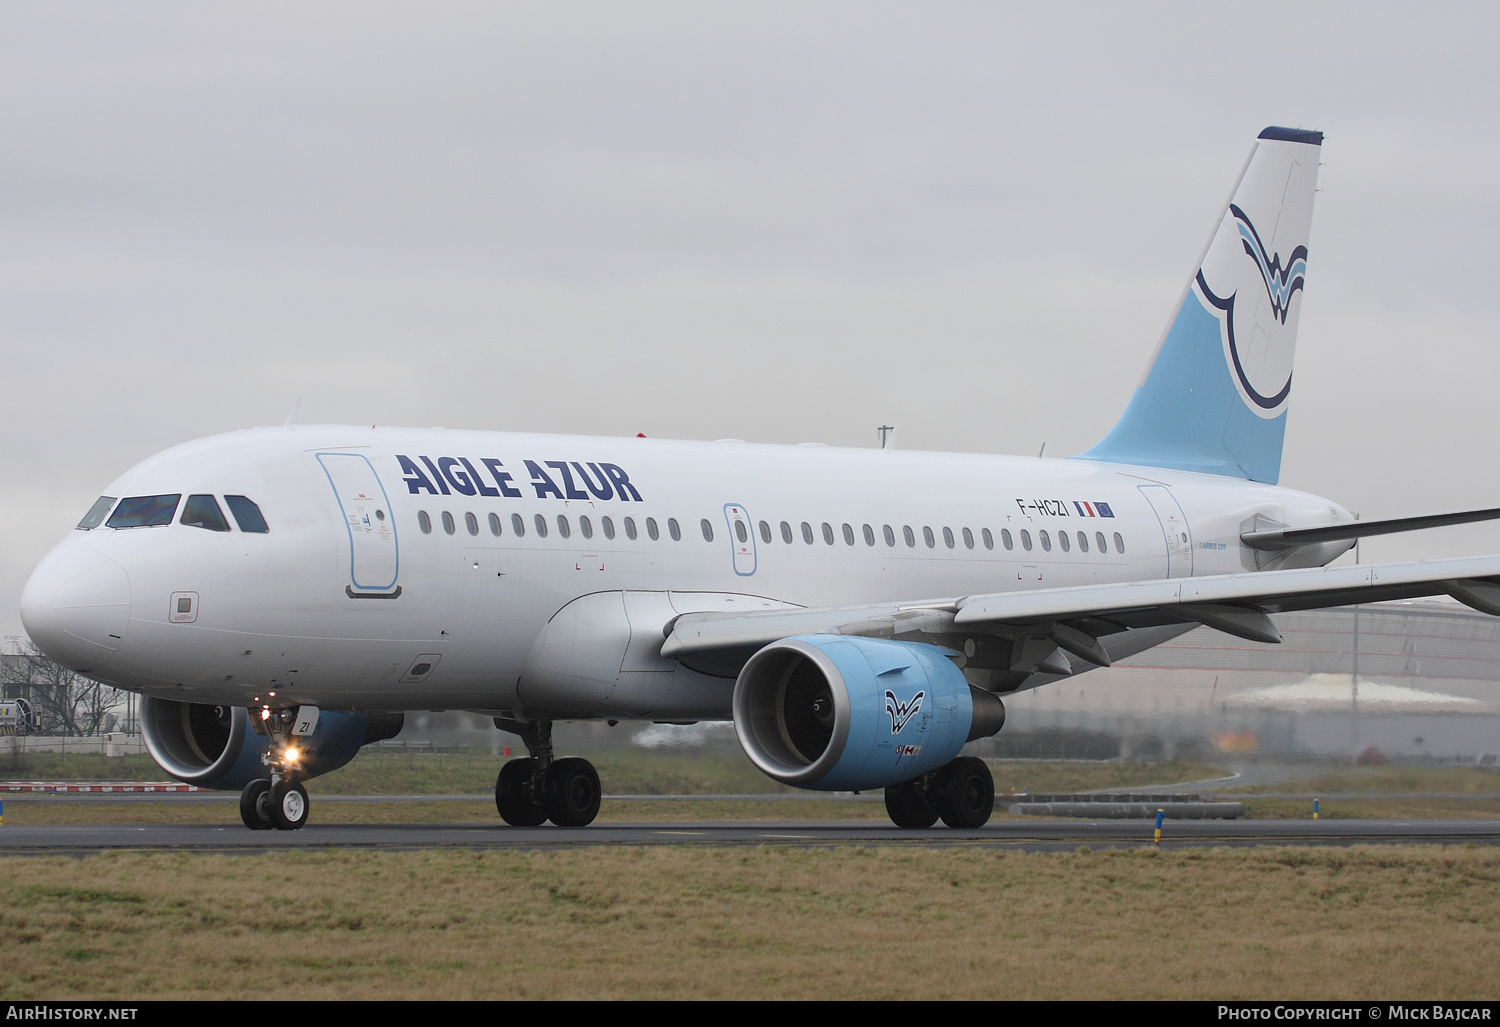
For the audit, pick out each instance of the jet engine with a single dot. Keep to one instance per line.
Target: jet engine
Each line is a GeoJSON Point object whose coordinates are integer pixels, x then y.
{"type": "Point", "coordinates": [839, 713]}
{"type": "Point", "coordinates": [216, 747]}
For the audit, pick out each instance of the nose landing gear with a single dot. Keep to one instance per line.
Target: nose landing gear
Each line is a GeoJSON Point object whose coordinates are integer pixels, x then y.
{"type": "Point", "coordinates": [539, 787]}
{"type": "Point", "coordinates": [279, 801]}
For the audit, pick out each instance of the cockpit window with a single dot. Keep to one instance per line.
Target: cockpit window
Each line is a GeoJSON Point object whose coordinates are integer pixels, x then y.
{"type": "Point", "coordinates": [95, 516]}
{"type": "Point", "coordinates": [203, 512]}
{"type": "Point", "coordinates": [144, 511]}
{"type": "Point", "coordinates": [246, 514]}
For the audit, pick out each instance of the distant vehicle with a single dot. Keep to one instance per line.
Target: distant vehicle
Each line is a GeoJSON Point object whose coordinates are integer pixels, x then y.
{"type": "Point", "coordinates": [16, 717]}
{"type": "Point", "coordinates": [281, 596]}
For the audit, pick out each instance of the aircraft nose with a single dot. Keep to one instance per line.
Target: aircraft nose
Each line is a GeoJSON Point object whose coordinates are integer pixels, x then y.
{"type": "Point", "coordinates": [76, 607]}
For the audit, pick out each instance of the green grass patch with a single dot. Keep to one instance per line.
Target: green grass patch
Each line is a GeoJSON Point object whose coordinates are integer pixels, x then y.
{"type": "Point", "coordinates": [1390, 781]}
{"type": "Point", "coordinates": [1062, 776]}
{"type": "Point", "coordinates": [76, 766]}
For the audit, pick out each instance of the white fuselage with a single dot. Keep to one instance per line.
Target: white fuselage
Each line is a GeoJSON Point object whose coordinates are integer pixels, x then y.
{"type": "Point", "coordinates": [345, 600]}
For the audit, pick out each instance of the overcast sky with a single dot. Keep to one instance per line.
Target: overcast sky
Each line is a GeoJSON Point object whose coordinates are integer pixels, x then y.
{"type": "Point", "coordinates": [777, 222]}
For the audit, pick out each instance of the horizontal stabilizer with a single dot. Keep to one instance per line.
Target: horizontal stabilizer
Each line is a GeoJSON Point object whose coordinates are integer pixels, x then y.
{"type": "Point", "coordinates": [1277, 539]}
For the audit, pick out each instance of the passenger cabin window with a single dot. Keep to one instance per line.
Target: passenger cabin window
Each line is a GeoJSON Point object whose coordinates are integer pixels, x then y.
{"type": "Point", "coordinates": [869, 535]}
{"type": "Point", "coordinates": [424, 522]}
{"type": "Point", "coordinates": [495, 524]}
{"type": "Point", "coordinates": [989, 540]}
{"type": "Point", "coordinates": [586, 526]}
{"type": "Point", "coordinates": [1062, 540]}
{"type": "Point", "coordinates": [472, 523]}
{"type": "Point", "coordinates": [1046, 540]}
{"type": "Point", "coordinates": [652, 531]}
{"type": "Point", "coordinates": [541, 525]}
{"type": "Point", "coordinates": [827, 533]}
{"type": "Point", "coordinates": [765, 532]}
{"type": "Point", "coordinates": [518, 525]}
{"type": "Point", "coordinates": [968, 539]}
{"type": "Point", "coordinates": [563, 528]}
{"type": "Point", "coordinates": [948, 537]}
{"type": "Point", "coordinates": [1099, 541]}
{"type": "Point", "coordinates": [928, 538]}
{"type": "Point", "coordinates": [1026, 540]}
{"type": "Point", "coordinates": [95, 516]}
{"type": "Point", "coordinates": [144, 511]}
{"type": "Point", "coordinates": [890, 536]}
{"type": "Point", "coordinates": [786, 533]}
{"type": "Point", "coordinates": [448, 524]}
{"type": "Point", "coordinates": [203, 512]}
{"type": "Point", "coordinates": [1119, 543]}
{"type": "Point", "coordinates": [740, 531]}
{"type": "Point", "coordinates": [848, 535]}
{"type": "Point", "coordinates": [608, 524]}
{"type": "Point", "coordinates": [1005, 539]}
{"type": "Point", "coordinates": [246, 515]}
{"type": "Point", "coordinates": [911, 540]}
{"type": "Point", "coordinates": [673, 529]}
{"type": "Point", "coordinates": [708, 529]}
{"type": "Point", "coordinates": [630, 528]}
{"type": "Point", "coordinates": [807, 533]}
{"type": "Point", "coordinates": [1083, 542]}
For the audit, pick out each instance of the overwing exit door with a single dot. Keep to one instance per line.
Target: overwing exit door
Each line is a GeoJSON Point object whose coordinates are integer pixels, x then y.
{"type": "Point", "coordinates": [742, 538]}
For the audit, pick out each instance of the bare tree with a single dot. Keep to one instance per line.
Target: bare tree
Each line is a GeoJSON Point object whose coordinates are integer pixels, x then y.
{"type": "Point", "coordinates": [64, 701]}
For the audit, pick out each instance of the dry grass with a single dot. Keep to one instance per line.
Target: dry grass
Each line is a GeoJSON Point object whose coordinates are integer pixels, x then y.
{"type": "Point", "coordinates": [1365, 923]}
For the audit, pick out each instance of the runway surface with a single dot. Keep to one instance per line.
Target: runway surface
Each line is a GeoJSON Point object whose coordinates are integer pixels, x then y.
{"type": "Point", "coordinates": [1025, 835]}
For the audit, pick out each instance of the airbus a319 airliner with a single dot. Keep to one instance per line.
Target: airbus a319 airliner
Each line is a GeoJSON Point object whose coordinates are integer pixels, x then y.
{"type": "Point", "coordinates": [280, 596]}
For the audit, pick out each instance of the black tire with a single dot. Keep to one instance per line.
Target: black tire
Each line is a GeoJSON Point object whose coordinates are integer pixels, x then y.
{"type": "Point", "coordinates": [515, 799]}
{"type": "Point", "coordinates": [288, 806]}
{"type": "Point", "coordinates": [570, 792]}
{"type": "Point", "coordinates": [909, 805]}
{"type": "Point", "coordinates": [965, 793]}
{"type": "Point", "coordinates": [255, 807]}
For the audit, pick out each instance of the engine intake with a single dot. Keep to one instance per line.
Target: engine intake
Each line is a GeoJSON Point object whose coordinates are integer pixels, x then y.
{"type": "Point", "coordinates": [836, 712]}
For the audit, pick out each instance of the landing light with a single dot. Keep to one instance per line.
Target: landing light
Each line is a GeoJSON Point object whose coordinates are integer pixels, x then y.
{"type": "Point", "coordinates": [292, 754]}
{"type": "Point", "coordinates": [265, 713]}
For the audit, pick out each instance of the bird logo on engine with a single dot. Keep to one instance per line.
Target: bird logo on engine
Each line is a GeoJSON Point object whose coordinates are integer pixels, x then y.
{"type": "Point", "coordinates": [901, 712]}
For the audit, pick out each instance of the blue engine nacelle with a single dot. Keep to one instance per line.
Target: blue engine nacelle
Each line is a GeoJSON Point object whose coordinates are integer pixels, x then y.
{"type": "Point", "coordinates": [843, 713]}
{"type": "Point", "coordinates": [215, 746]}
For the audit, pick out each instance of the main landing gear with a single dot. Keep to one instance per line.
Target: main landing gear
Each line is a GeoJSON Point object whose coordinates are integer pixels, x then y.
{"type": "Point", "coordinates": [279, 801]}
{"type": "Point", "coordinates": [961, 792]}
{"type": "Point", "coordinates": [537, 788]}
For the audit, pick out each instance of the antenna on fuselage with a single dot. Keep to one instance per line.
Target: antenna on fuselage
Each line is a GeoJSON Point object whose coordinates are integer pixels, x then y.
{"type": "Point", "coordinates": [1041, 451]}
{"type": "Point", "coordinates": [291, 417]}
{"type": "Point", "coordinates": [887, 436]}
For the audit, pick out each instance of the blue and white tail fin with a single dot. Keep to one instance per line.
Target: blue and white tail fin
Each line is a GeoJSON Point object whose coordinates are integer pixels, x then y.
{"type": "Point", "coordinates": [1214, 397]}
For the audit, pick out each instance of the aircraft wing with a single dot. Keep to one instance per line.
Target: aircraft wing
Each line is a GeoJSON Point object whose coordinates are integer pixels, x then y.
{"type": "Point", "coordinates": [1076, 618]}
